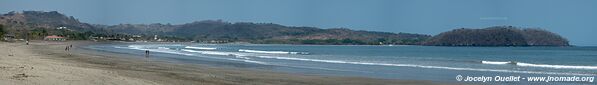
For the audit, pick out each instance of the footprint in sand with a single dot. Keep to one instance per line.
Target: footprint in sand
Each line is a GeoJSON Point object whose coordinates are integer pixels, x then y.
{"type": "Point", "coordinates": [21, 76]}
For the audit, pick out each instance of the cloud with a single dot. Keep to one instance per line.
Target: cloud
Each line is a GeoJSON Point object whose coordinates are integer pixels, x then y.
{"type": "Point", "coordinates": [493, 18]}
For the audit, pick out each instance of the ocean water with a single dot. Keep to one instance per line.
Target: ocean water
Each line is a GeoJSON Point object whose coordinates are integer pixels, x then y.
{"type": "Point", "coordinates": [390, 62]}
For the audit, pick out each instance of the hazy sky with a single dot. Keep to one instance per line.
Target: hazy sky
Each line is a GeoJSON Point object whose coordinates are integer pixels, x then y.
{"type": "Point", "coordinates": [573, 19]}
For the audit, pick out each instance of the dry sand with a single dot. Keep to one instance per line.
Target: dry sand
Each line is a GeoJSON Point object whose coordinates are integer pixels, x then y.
{"type": "Point", "coordinates": [47, 63]}
{"type": "Point", "coordinates": [20, 66]}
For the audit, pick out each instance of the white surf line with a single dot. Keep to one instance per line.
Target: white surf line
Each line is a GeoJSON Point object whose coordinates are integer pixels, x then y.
{"type": "Point", "coordinates": [540, 65]}
{"type": "Point", "coordinates": [200, 48]}
{"type": "Point", "coordinates": [423, 66]}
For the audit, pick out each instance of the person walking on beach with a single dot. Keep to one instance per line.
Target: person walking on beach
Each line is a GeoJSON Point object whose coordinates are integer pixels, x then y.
{"type": "Point", "coordinates": [146, 53]}
{"type": "Point", "coordinates": [67, 49]}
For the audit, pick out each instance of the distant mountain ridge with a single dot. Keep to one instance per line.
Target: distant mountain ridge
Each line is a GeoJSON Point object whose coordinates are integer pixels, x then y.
{"type": "Point", "coordinates": [212, 30]}
{"type": "Point", "coordinates": [36, 24]}
{"type": "Point", "coordinates": [265, 33]}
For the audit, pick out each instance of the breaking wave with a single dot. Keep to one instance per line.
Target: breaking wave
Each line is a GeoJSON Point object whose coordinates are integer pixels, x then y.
{"type": "Point", "coordinates": [244, 57]}
{"type": "Point", "coordinates": [159, 49]}
{"type": "Point", "coordinates": [271, 52]}
{"type": "Point", "coordinates": [200, 48]}
{"type": "Point", "coordinates": [170, 51]}
{"type": "Point", "coordinates": [420, 66]}
{"type": "Point", "coordinates": [495, 62]}
{"type": "Point", "coordinates": [539, 65]}
{"type": "Point", "coordinates": [241, 56]}
{"type": "Point", "coordinates": [556, 66]}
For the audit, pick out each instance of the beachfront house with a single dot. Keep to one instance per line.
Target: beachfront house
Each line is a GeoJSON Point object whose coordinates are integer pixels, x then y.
{"type": "Point", "coordinates": [54, 38]}
{"type": "Point", "coordinates": [8, 37]}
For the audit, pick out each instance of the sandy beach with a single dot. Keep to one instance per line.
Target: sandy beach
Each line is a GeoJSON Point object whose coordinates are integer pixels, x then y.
{"type": "Point", "coordinates": [47, 63]}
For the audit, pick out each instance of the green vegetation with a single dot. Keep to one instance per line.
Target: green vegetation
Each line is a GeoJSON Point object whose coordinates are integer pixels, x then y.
{"type": "Point", "coordinates": [330, 41]}
{"type": "Point", "coordinates": [38, 24]}
{"type": "Point", "coordinates": [1, 31]}
{"type": "Point", "coordinates": [38, 33]}
{"type": "Point", "coordinates": [346, 41]}
{"type": "Point", "coordinates": [266, 33]}
{"type": "Point", "coordinates": [498, 36]}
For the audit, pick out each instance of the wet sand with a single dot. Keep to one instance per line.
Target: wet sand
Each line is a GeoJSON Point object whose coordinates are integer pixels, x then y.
{"type": "Point", "coordinates": [44, 62]}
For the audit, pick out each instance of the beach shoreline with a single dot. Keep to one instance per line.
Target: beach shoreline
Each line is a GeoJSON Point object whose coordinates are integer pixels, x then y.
{"type": "Point", "coordinates": [112, 68]}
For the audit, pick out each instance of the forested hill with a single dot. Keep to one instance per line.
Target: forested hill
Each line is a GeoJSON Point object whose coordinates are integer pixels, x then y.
{"type": "Point", "coordinates": [38, 24]}
{"type": "Point", "coordinates": [267, 33]}
{"type": "Point", "coordinates": [497, 36]}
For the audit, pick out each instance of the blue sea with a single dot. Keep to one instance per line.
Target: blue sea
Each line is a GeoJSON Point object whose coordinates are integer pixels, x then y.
{"type": "Point", "coordinates": [388, 62]}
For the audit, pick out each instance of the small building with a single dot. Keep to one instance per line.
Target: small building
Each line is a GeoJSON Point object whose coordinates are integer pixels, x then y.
{"type": "Point", "coordinates": [54, 38]}
{"type": "Point", "coordinates": [8, 37]}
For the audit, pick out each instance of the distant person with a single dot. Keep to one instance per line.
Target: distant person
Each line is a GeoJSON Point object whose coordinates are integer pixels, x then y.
{"type": "Point", "coordinates": [146, 53]}
{"type": "Point", "coordinates": [27, 42]}
{"type": "Point", "coordinates": [67, 49]}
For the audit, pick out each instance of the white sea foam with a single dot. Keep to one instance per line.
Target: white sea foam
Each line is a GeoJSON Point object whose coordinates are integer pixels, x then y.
{"type": "Point", "coordinates": [200, 48]}
{"type": "Point", "coordinates": [236, 55]}
{"type": "Point", "coordinates": [209, 52]}
{"type": "Point", "coordinates": [250, 61]}
{"type": "Point", "coordinates": [259, 51]}
{"type": "Point", "coordinates": [159, 49]}
{"type": "Point", "coordinates": [242, 58]}
{"type": "Point", "coordinates": [246, 59]}
{"type": "Point", "coordinates": [163, 50]}
{"type": "Point", "coordinates": [556, 66]}
{"type": "Point", "coordinates": [421, 66]}
{"type": "Point", "coordinates": [135, 47]}
{"type": "Point", "coordinates": [540, 65]}
{"type": "Point", "coordinates": [495, 62]}
{"type": "Point", "coordinates": [270, 52]}
{"type": "Point", "coordinates": [121, 47]}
